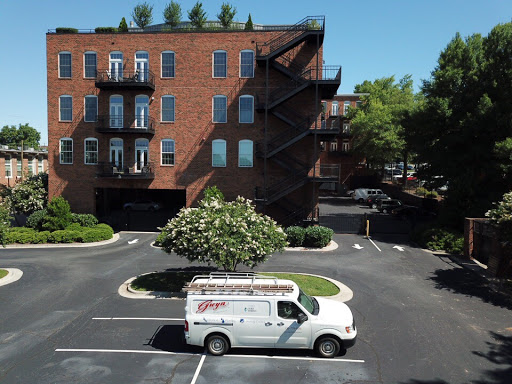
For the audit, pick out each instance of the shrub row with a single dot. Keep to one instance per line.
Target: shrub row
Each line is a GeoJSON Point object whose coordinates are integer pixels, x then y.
{"type": "Point", "coordinates": [437, 239]}
{"type": "Point", "coordinates": [73, 233]}
{"type": "Point", "coordinates": [315, 237]}
{"type": "Point", "coordinates": [105, 29]}
{"type": "Point", "coordinates": [66, 30]}
{"type": "Point", "coordinates": [36, 220]}
{"type": "Point", "coordinates": [421, 191]}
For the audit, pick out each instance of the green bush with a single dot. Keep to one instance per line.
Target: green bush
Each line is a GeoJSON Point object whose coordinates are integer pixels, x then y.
{"type": "Point", "coordinates": [35, 220]}
{"type": "Point", "coordinates": [160, 239]}
{"type": "Point", "coordinates": [105, 29]}
{"type": "Point", "coordinates": [84, 219]}
{"type": "Point", "coordinates": [63, 236]}
{"type": "Point", "coordinates": [295, 236]}
{"type": "Point", "coordinates": [41, 237]}
{"type": "Point", "coordinates": [20, 235]}
{"type": "Point", "coordinates": [436, 239]}
{"type": "Point", "coordinates": [318, 237]}
{"type": "Point", "coordinates": [66, 30]}
{"type": "Point", "coordinates": [90, 235]}
{"type": "Point", "coordinates": [74, 227]}
{"type": "Point", "coordinates": [58, 215]}
{"type": "Point", "coordinates": [431, 195]}
{"type": "Point", "coordinates": [421, 191]}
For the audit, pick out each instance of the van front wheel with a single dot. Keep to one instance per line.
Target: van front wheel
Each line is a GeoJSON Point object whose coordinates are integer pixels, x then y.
{"type": "Point", "coordinates": [217, 345]}
{"type": "Point", "coordinates": [328, 347]}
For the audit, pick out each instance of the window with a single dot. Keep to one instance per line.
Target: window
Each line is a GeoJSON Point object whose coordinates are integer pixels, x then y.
{"type": "Point", "coordinates": [334, 108]}
{"type": "Point", "coordinates": [116, 111]}
{"type": "Point", "coordinates": [141, 155]}
{"type": "Point", "coordinates": [247, 63]}
{"type": "Point", "coordinates": [219, 153]}
{"type": "Point", "coordinates": [324, 107]}
{"type": "Point", "coordinates": [66, 108]}
{"type": "Point", "coordinates": [141, 66]}
{"type": "Point", "coordinates": [345, 146]}
{"type": "Point", "coordinates": [288, 310]}
{"type": "Point", "coordinates": [346, 128]}
{"type": "Point", "coordinates": [65, 65]}
{"type": "Point", "coordinates": [245, 153]}
{"type": "Point", "coordinates": [91, 151]}
{"type": "Point", "coordinates": [346, 105]}
{"type": "Point", "coordinates": [66, 151]}
{"type": "Point", "coordinates": [168, 64]}
{"type": "Point", "coordinates": [116, 152]}
{"type": "Point", "coordinates": [168, 108]}
{"type": "Point", "coordinates": [220, 64]}
{"type": "Point", "coordinates": [8, 166]}
{"type": "Point", "coordinates": [91, 108]}
{"type": "Point", "coordinates": [31, 166]}
{"type": "Point", "coordinates": [116, 66]}
{"type": "Point", "coordinates": [167, 152]}
{"type": "Point", "coordinates": [220, 104]}
{"type": "Point", "coordinates": [18, 166]}
{"type": "Point", "coordinates": [246, 110]}
{"type": "Point", "coordinates": [90, 64]}
{"type": "Point", "coordinates": [334, 146]}
{"type": "Point", "coordinates": [141, 111]}
{"type": "Point", "coordinates": [40, 164]}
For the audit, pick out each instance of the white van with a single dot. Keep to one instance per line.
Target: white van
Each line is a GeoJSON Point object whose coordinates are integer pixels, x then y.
{"type": "Point", "coordinates": [256, 311]}
{"type": "Point", "coordinates": [361, 194]}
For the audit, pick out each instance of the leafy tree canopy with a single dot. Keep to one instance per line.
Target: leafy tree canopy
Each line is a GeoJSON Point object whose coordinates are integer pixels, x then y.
{"type": "Point", "coordinates": [123, 27]}
{"type": "Point", "coordinates": [12, 136]}
{"type": "Point", "coordinates": [143, 14]}
{"type": "Point", "coordinates": [197, 15]}
{"type": "Point", "coordinates": [248, 24]}
{"type": "Point", "coordinates": [226, 15]}
{"type": "Point", "coordinates": [226, 234]}
{"type": "Point", "coordinates": [172, 14]}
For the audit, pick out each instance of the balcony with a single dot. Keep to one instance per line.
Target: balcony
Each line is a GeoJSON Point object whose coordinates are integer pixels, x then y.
{"type": "Point", "coordinates": [125, 124]}
{"type": "Point", "coordinates": [118, 80]}
{"type": "Point", "coordinates": [138, 171]}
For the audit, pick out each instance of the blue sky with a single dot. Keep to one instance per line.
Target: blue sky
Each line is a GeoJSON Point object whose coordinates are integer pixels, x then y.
{"type": "Point", "coordinates": [369, 39]}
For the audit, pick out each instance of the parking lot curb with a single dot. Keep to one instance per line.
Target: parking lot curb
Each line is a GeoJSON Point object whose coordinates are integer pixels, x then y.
{"type": "Point", "coordinates": [13, 274]}
{"type": "Point", "coordinates": [114, 238]}
{"type": "Point", "coordinates": [330, 247]}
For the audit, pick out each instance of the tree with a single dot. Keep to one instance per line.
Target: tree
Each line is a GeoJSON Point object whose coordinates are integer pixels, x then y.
{"type": "Point", "coordinates": [223, 233]}
{"type": "Point", "coordinates": [248, 24]}
{"type": "Point", "coordinates": [123, 27]}
{"type": "Point", "coordinates": [172, 14]}
{"type": "Point", "coordinates": [462, 132]}
{"type": "Point", "coordinates": [197, 15]}
{"type": "Point", "coordinates": [143, 14]}
{"type": "Point", "coordinates": [58, 215]}
{"type": "Point", "coordinates": [226, 15]}
{"type": "Point", "coordinates": [27, 196]}
{"type": "Point", "coordinates": [5, 223]}
{"type": "Point", "coordinates": [377, 125]}
{"type": "Point", "coordinates": [12, 136]}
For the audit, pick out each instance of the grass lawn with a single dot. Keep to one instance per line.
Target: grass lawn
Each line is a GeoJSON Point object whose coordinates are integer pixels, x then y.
{"type": "Point", "coordinates": [3, 273]}
{"type": "Point", "coordinates": [174, 282]}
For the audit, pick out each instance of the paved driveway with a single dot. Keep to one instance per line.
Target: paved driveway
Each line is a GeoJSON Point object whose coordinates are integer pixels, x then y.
{"type": "Point", "coordinates": [421, 319]}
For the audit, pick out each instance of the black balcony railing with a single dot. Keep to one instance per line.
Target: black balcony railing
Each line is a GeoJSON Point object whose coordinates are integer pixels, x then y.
{"type": "Point", "coordinates": [114, 79]}
{"type": "Point", "coordinates": [125, 124]}
{"type": "Point", "coordinates": [138, 170]}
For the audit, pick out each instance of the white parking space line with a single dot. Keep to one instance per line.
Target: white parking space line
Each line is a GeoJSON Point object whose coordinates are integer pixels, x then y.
{"type": "Point", "coordinates": [196, 375]}
{"type": "Point", "coordinates": [374, 244]}
{"type": "Point", "coordinates": [124, 351]}
{"type": "Point", "coordinates": [139, 318]}
{"type": "Point", "coordinates": [298, 358]}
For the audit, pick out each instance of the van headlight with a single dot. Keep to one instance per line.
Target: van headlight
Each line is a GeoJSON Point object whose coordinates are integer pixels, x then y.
{"type": "Point", "coordinates": [351, 328]}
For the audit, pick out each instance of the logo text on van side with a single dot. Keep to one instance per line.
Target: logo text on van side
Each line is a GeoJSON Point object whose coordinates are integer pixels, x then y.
{"type": "Point", "coordinates": [209, 304]}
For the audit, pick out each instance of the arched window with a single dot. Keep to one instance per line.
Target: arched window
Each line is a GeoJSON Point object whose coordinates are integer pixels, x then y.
{"type": "Point", "coordinates": [168, 64]}
{"type": "Point", "coordinates": [220, 63]}
{"type": "Point", "coordinates": [116, 152]}
{"type": "Point", "coordinates": [65, 65]}
{"type": "Point", "coordinates": [116, 65]}
{"type": "Point", "coordinates": [220, 106]}
{"type": "Point", "coordinates": [167, 152]}
{"type": "Point", "coordinates": [247, 63]}
{"type": "Point", "coordinates": [116, 111]}
{"type": "Point", "coordinates": [168, 108]}
{"type": "Point", "coordinates": [91, 108]}
{"type": "Point", "coordinates": [141, 111]}
{"type": "Point", "coordinates": [66, 150]}
{"type": "Point", "coordinates": [219, 153]}
{"type": "Point", "coordinates": [90, 65]}
{"type": "Point", "coordinates": [91, 151]}
{"type": "Point", "coordinates": [245, 157]}
{"type": "Point", "coordinates": [246, 109]}
{"type": "Point", "coordinates": [66, 108]}
{"type": "Point", "coordinates": [141, 66]}
{"type": "Point", "coordinates": [141, 154]}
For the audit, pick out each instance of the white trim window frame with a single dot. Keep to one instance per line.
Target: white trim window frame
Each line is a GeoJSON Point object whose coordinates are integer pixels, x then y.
{"type": "Point", "coordinates": [31, 166]}
{"type": "Point", "coordinates": [220, 109]}
{"type": "Point", "coordinates": [335, 108]}
{"type": "Point", "coordinates": [19, 166]}
{"type": "Point", "coordinates": [333, 146]}
{"type": "Point", "coordinates": [65, 68]}
{"type": "Point", "coordinates": [66, 150]}
{"type": "Point", "coordinates": [219, 64]}
{"type": "Point", "coordinates": [90, 65]}
{"type": "Point", "coordinates": [219, 153]}
{"type": "Point", "coordinates": [167, 152]}
{"type": "Point", "coordinates": [346, 105]}
{"type": "Point", "coordinates": [168, 67]}
{"type": "Point", "coordinates": [245, 154]}
{"type": "Point", "coordinates": [90, 109]}
{"type": "Point", "coordinates": [40, 164]}
{"type": "Point", "coordinates": [8, 166]}
{"type": "Point", "coordinates": [91, 151]}
{"type": "Point", "coordinates": [246, 109]}
{"type": "Point", "coordinates": [65, 108]}
{"type": "Point", "coordinates": [168, 109]}
{"type": "Point", "coordinates": [247, 63]}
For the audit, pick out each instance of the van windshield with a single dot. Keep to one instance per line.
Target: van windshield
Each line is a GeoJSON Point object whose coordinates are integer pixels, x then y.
{"type": "Point", "coordinates": [309, 303]}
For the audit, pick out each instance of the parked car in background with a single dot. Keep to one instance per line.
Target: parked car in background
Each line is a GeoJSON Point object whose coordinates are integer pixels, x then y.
{"type": "Point", "coordinates": [142, 205]}
{"type": "Point", "coordinates": [361, 194]}
{"type": "Point", "coordinates": [386, 206]}
{"type": "Point", "coordinates": [411, 211]}
{"type": "Point", "coordinates": [373, 200]}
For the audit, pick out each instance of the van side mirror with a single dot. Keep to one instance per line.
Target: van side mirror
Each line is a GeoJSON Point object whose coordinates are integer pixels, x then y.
{"type": "Point", "coordinates": [301, 318]}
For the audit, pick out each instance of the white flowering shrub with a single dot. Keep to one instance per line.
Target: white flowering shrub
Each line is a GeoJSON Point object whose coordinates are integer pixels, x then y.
{"type": "Point", "coordinates": [28, 196]}
{"type": "Point", "coordinates": [501, 215]}
{"type": "Point", "coordinates": [226, 234]}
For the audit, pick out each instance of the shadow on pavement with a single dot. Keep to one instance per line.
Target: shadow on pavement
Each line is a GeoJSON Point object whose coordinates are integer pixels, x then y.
{"type": "Point", "coordinates": [500, 353]}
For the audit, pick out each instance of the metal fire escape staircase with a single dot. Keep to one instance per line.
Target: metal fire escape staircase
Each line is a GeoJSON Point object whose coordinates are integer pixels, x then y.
{"type": "Point", "coordinates": [275, 55]}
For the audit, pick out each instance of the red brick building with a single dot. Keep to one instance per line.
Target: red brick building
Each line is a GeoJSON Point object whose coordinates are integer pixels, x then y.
{"type": "Point", "coordinates": [160, 115]}
{"type": "Point", "coordinates": [12, 167]}
{"type": "Point", "coordinates": [337, 151]}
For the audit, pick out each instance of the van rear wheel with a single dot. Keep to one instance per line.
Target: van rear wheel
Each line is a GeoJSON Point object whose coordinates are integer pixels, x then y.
{"type": "Point", "coordinates": [328, 347]}
{"type": "Point", "coordinates": [217, 345]}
